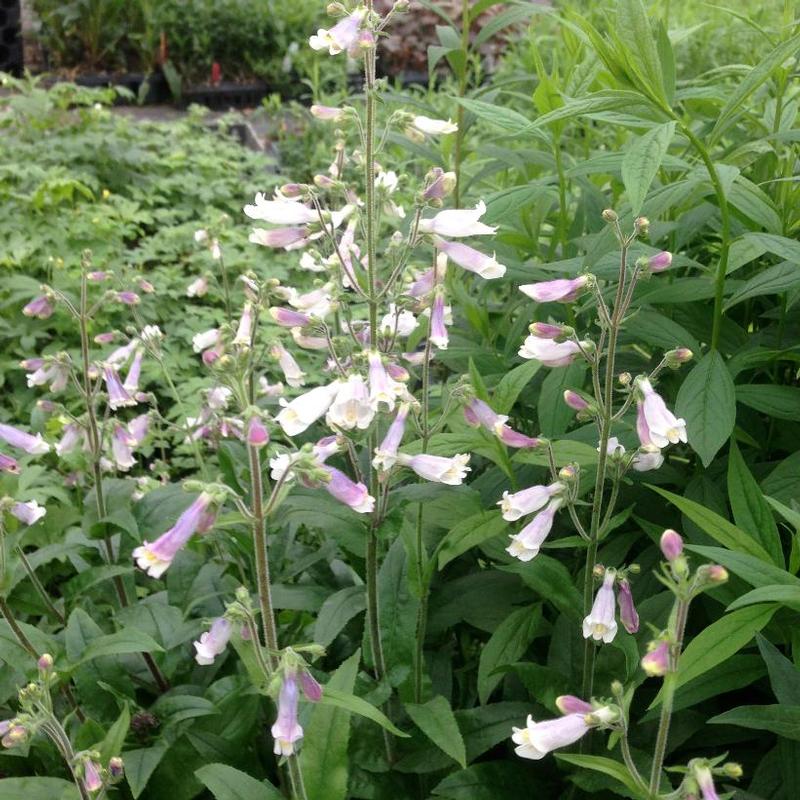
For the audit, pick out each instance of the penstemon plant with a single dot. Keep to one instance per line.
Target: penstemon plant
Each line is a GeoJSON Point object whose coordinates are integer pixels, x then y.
{"type": "Point", "coordinates": [333, 386]}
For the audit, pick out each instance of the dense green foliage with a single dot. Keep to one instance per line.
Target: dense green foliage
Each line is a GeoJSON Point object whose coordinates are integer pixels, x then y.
{"type": "Point", "coordinates": [694, 129]}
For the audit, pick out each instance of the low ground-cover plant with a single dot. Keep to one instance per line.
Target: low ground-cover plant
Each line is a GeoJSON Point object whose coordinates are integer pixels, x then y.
{"type": "Point", "coordinates": [440, 490]}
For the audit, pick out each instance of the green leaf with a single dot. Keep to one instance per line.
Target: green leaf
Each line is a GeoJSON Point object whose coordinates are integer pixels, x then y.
{"type": "Point", "coordinates": [115, 738]}
{"type": "Point", "coordinates": [337, 611]}
{"type": "Point", "coordinates": [750, 509]}
{"type": "Point", "coordinates": [779, 719]}
{"type": "Point", "coordinates": [500, 116]}
{"type": "Point", "coordinates": [717, 527]}
{"type": "Point", "coordinates": [332, 696]}
{"type": "Point", "coordinates": [128, 640]}
{"type": "Point", "coordinates": [511, 384]}
{"type": "Point", "coordinates": [782, 402]}
{"type": "Point", "coordinates": [489, 780]}
{"type": "Point", "coordinates": [469, 533]}
{"type": "Point", "coordinates": [642, 162]}
{"type": "Point", "coordinates": [607, 766]}
{"type": "Point", "coordinates": [37, 789]}
{"type": "Point", "coordinates": [552, 581]}
{"type": "Point", "coordinates": [554, 414]}
{"type": "Point", "coordinates": [719, 641]}
{"type": "Point", "coordinates": [758, 75]}
{"type": "Point", "coordinates": [227, 783]}
{"type": "Point", "coordinates": [707, 401]}
{"type": "Point", "coordinates": [775, 280]}
{"type": "Point", "coordinates": [778, 593]}
{"type": "Point", "coordinates": [140, 765]}
{"type": "Point", "coordinates": [506, 645]}
{"type": "Point", "coordinates": [756, 571]}
{"type": "Point", "coordinates": [784, 676]}
{"type": "Point", "coordinates": [323, 757]}
{"type": "Point", "coordinates": [435, 719]}
{"type": "Point", "coordinates": [564, 450]}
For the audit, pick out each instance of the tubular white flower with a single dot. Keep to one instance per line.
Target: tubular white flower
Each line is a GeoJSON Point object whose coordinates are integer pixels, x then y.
{"type": "Point", "coordinates": [280, 212]}
{"type": "Point", "coordinates": [527, 501]}
{"type": "Point", "coordinates": [456, 223]}
{"type": "Point", "coordinates": [351, 408]}
{"type": "Point", "coordinates": [344, 36]}
{"type": "Point", "coordinates": [213, 642]}
{"type": "Point", "coordinates": [291, 369]}
{"type": "Point", "coordinates": [663, 426]}
{"type": "Point", "coordinates": [433, 127]}
{"type": "Point", "coordinates": [468, 258]}
{"type": "Point", "coordinates": [549, 352]}
{"type": "Point", "coordinates": [302, 412]}
{"type": "Point", "coordinates": [537, 739]}
{"type": "Point", "coordinates": [526, 544]}
{"type": "Point", "coordinates": [600, 623]}
{"type": "Point", "coordinates": [438, 469]}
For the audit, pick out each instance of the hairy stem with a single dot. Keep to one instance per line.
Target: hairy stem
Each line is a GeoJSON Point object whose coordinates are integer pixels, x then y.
{"type": "Point", "coordinates": [37, 584]}
{"type": "Point", "coordinates": [95, 443]}
{"type": "Point", "coordinates": [670, 685]}
{"type": "Point", "coordinates": [606, 404]}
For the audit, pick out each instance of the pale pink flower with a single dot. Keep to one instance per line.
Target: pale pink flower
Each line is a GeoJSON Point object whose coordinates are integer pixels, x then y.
{"type": "Point", "coordinates": [244, 330]}
{"type": "Point", "coordinates": [128, 298]}
{"type": "Point", "coordinates": [355, 495]}
{"type": "Point", "coordinates": [600, 623]}
{"type": "Point", "coordinates": [561, 290]}
{"type": "Point", "coordinates": [476, 412]}
{"type": "Point", "coordinates": [438, 334]}
{"type": "Point", "coordinates": [327, 113]}
{"type": "Point", "coordinates": [8, 464]}
{"type": "Point", "coordinates": [280, 212]}
{"type": "Point", "coordinates": [705, 780]}
{"type": "Point", "coordinates": [287, 238]}
{"type": "Point", "coordinates": [287, 730]}
{"type": "Point", "coordinates": [546, 330]}
{"type": "Point", "coordinates": [440, 184]}
{"type": "Point", "coordinates": [537, 739]}
{"type": "Point", "coordinates": [528, 500]}
{"type": "Point", "coordinates": [456, 223]}
{"type": "Point", "coordinates": [575, 401]}
{"type": "Point", "coordinates": [655, 423]}
{"type": "Point", "coordinates": [382, 389]}
{"type": "Point", "coordinates": [213, 642]}
{"type": "Point", "coordinates": [628, 615]}
{"type": "Point", "coordinates": [294, 376]}
{"type": "Point", "coordinates": [526, 544]}
{"type": "Point", "coordinates": [131, 384]}
{"type": "Point", "coordinates": [342, 37]}
{"type": "Point", "coordinates": [470, 259]}
{"type": "Point", "coordinates": [288, 318]}
{"type": "Point", "coordinates": [39, 307]}
{"type": "Point", "coordinates": [549, 352]}
{"type": "Point", "coordinates": [351, 408]}
{"type": "Point", "coordinates": [198, 287]}
{"type": "Point", "coordinates": [155, 558]}
{"type": "Point", "coordinates": [92, 781]}
{"type": "Point", "coordinates": [71, 438]}
{"type": "Point", "coordinates": [34, 445]}
{"type": "Point", "coordinates": [647, 458]}
{"type": "Point", "coordinates": [122, 444]}
{"type": "Point", "coordinates": [656, 661]}
{"type": "Point", "coordinates": [29, 513]}
{"type": "Point", "coordinates": [257, 433]}
{"type": "Point", "coordinates": [438, 469]}
{"type": "Point", "coordinates": [569, 704]}
{"type": "Point", "coordinates": [299, 414]}
{"type": "Point", "coordinates": [386, 452]}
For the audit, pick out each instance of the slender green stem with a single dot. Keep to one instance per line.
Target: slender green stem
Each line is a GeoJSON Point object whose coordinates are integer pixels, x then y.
{"type": "Point", "coordinates": [226, 289]}
{"type": "Point", "coordinates": [629, 762]}
{"type": "Point", "coordinates": [37, 584]}
{"type": "Point", "coordinates": [668, 695]}
{"type": "Point", "coordinates": [268, 627]}
{"type": "Point", "coordinates": [24, 641]}
{"type": "Point", "coordinates": [95, 446]}
{"type": "Point", "coordinates": [606, 404]}
{"type": "Point", "coordinates": [423, 570]}
{"type": "Point", "coordinates": [458, 153]}
{"type": "Point", "coordinates": [725, 234]}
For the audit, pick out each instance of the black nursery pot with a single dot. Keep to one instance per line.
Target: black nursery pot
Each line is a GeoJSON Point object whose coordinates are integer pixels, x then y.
{"type": "Point", "coordinates": [157, 90]}
{"type": "Point", "coordinates": [226, 94]}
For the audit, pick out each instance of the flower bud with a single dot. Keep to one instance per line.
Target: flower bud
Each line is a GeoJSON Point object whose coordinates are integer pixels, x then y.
{"type": "Point", "coordinates": [567, 474]}
{"type": "Point", "coordinates": [292, 189]}
{"type": "Point", "coordinates": [599, 571]}
{"type": "Point", "coordinates": [656, 661]}
{"type": "Point", "coordinates": [625, 378]}
{"type": "Point", "coordinates": [575, 401]}
{"type": "Point", "coordinates": [609, 215]}
{"type": "Point", "coordinates": [671, 544]}
{"type": "Point", "coordinates": [660, 261]}
{"type": "Point", "coordinates": [717, 573]}
{"type": "Point", "coordinates": [116, 768]}
{"type": "Point", "coordinates": [680, 355]}
{"type": "Point", "coordinates": [641, 225]}
{"type": "Point", "coordinates": [569, 704]}
{"type": "Point", "coordinates": [400, 6]}
{"type": "Point", "coordinates": [335, 10]}
{"type": "Point", "coordinates": [732, 770]}
{"type": "Point", "coordinates": [45, 663]}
